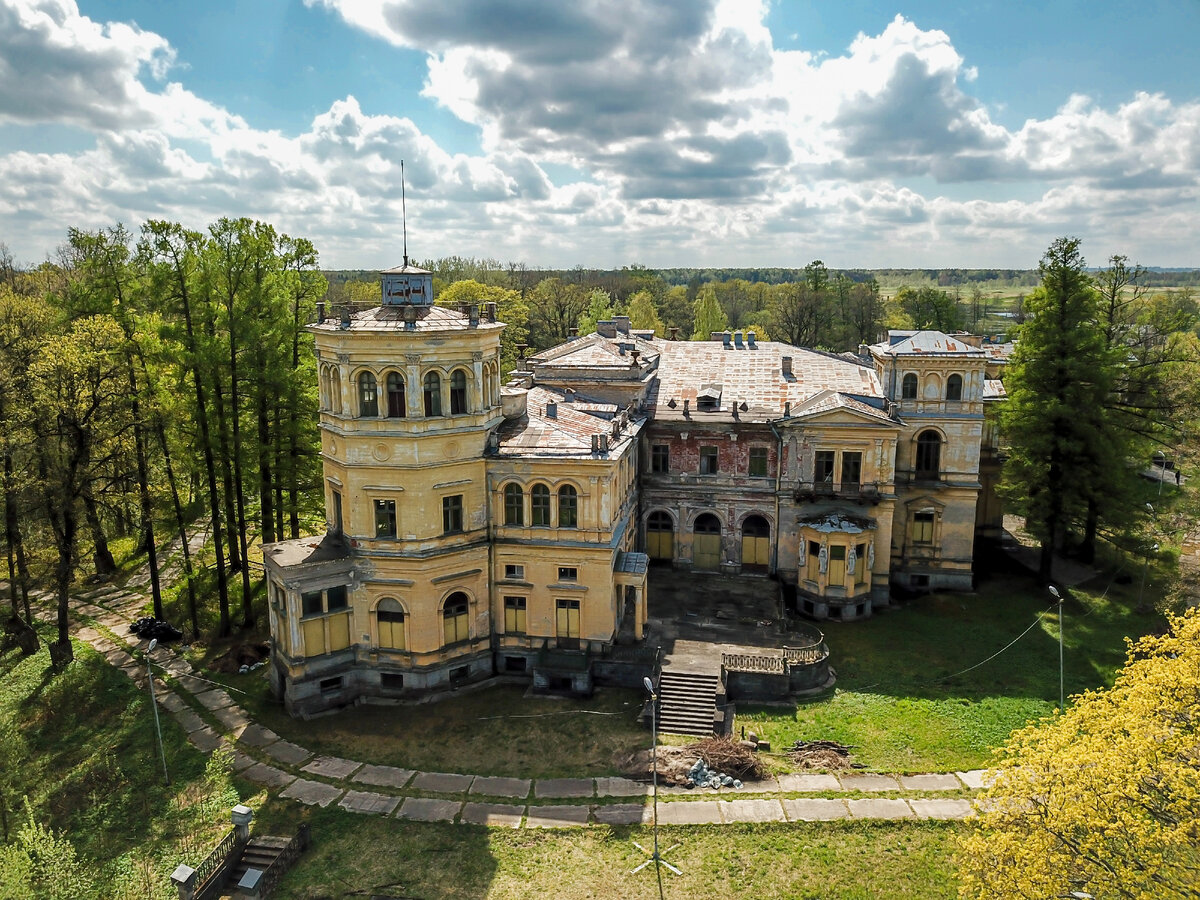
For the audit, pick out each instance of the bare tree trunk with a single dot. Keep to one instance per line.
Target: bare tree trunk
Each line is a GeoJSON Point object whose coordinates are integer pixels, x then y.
{"type": "Point", "coordinates": [267, 509]}
{"type": "Point", "coordinates": [106, 566]}
{"type": "Point", "coordinates": [147, 507]}
{"type": "Point", "coordinates": [183, 538]}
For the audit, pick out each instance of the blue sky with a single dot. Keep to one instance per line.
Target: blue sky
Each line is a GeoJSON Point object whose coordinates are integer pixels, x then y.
{"type": "Point", "coordinates": [605, 132]}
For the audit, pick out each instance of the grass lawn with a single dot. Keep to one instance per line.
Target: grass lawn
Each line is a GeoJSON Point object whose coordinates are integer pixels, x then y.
{"type": "Point", "coordinates": [901, 701]}
{"type": "Point", "coordinates": [365, 856]}
{"type": "Point", "coordinates": [492, 731]}
{"type": "Point", "coordinates": [78, 751]}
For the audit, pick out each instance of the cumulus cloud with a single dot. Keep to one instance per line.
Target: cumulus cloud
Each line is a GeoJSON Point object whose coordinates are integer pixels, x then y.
{"type": "Point", "coordinates": [697, 140]}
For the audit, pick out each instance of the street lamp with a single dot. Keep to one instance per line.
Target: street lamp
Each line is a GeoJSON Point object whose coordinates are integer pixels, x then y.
{"type": "Point", "coordinates": [654, 857]}
{"type": "Point", "coordinates": [1061, 696]}
{"type": "Point", "coordinates": [154, 706]}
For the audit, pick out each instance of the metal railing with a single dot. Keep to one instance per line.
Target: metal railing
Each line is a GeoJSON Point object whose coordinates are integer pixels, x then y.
{"type": "Point", "coordinates": [212, 868]}
{"type": "Point", "coordinates": [279, 867]}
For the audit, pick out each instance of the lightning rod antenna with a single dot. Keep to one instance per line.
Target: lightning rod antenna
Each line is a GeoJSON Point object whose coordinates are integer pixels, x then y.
{"type": "Point", "coordinates": [404, 214]}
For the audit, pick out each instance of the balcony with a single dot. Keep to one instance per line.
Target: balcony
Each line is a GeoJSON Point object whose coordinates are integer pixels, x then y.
{"type": "Point", "coordinates": [858, 492]}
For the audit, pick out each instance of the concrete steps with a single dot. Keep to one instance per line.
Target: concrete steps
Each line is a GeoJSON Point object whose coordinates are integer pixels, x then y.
{"type": "Point", "coordinates": [687, 702]}
{"type": "Point", "coordinates": [260, 852]}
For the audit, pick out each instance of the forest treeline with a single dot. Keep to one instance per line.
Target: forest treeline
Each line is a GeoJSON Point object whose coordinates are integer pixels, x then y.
{"type": "Point", "coordinates": [158, 380]}
{"type": "Point", "coordinates": [150, 381]}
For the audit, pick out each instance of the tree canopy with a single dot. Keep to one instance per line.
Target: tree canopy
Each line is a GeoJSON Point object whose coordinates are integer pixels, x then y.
{"type": "Point", "coordinates": [1104, 799]}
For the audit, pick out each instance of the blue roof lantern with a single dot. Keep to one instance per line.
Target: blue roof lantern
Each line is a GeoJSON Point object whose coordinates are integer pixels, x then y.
{"type": "Point", "coordinates": [407, 285]}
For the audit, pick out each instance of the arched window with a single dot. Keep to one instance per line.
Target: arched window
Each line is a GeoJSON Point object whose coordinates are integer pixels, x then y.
{"type": "Point", "coordinates": [454, 618]}
{"type": "Point", "coordinates": [433, 394]}
{"type": "Point", "coordinates": [514, 505]}
{"type": "Point", "coordinates": [458, 392]}
{"type": "Point", "coordinates": [954, 387]}
{"type": "Point", "coordinates": [368, 395]}
{"type": "Point", "coordinates": [539, 505]}
{"type": "Point", "coordinates": [908, 389]}
{"type": "Point", "coordinates": [929, 455]}
{"type": "Point", "coordinates": [390, 616]}
{"type": "Point", "coordinates": [568, 507]}
{"type": "Point", "coordinates": [395, 395]}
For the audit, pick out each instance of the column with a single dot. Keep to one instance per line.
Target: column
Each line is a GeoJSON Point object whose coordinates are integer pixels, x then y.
{"type": "Point", "coordinates": [414, 387]}
{"type": "Point", "coordinates": [476, 400]}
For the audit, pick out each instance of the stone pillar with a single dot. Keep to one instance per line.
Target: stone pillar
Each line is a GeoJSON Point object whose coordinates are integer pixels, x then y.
{"type": "Point", "coordinates": [242, 816]}
{"type": "Point", "coordinates": [184, 879]}
{"type": "Point", "coordinates": [639, 612]}
{"type": "Point", "coordinates": [476, 403]}
{"type": "Point", "coordinates": [415, 387]}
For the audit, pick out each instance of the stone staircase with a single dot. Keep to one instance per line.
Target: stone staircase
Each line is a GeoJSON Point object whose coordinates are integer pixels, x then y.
{"type": "Point", "coordinates": [687, 702]}
{"type": "Point", "coordinates": [259, 853]}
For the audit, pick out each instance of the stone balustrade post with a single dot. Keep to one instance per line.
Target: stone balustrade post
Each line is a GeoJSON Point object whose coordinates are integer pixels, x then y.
{"type": "Point", "coordinates": [184, 879]}
{"type": "Point", "coordinates": [242, 816]}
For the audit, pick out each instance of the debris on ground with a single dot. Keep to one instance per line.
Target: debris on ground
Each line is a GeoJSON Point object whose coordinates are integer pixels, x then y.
{"type": "Point", "coordinates": [705, 763]}
{"type": "Point", "coordinates": [241, 658]}
{"type": "Point", "coordinates": [161, 630]}
{"type": "Point", "coordinates": [821, 755]}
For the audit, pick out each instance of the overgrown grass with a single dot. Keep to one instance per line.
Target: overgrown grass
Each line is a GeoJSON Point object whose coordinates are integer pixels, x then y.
{"type": "Point", "coordinates": [493, 731]}
{"type": "Point", "coordinates": [78, 748]}
{"type": "Point", "coordinates": [358, 856]}
{"type": "Point", "coordinates": [914, 692]}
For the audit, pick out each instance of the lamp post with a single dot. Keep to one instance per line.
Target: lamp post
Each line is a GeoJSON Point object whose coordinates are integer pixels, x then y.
{"type": "Point", "coordinates": [1161, 459]}
{"type": "Point", "coordinates": [1061, 695]}
{"type": "Point", "coordinates": [654, 857]}
{"type": "Point", "coordinates": [154, 706]}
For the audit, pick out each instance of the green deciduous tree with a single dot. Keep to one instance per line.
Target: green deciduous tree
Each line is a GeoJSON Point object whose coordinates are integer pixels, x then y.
{"type": "Point", "coordinates": [511, 309]}
{"type": "Point", "coordinates": [1104, 800]}
{"type": "Point", "coordinates": [599, 308]}
{"type": "Point", "coordinates": [709, 316]}
{"type": "Point", "coordinates": [643, 314]}
{"type": "Point", "coordinates": [932, 309]}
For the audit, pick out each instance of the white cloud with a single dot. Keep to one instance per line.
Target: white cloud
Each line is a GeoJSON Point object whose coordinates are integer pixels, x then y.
{"type": "Point", "coordinates": [699, 142]}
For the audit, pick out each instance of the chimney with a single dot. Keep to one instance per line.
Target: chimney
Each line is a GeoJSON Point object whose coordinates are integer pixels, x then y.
{"type": "Point", "coordinates": [514, 402]}
{"type": "Point", "coordinates": [686, 410]}
{"type": "Point", "coordinates": [572, 332]}
{"type": "Point", "coordinates": [621, 348]}
{"type": "Point", "coordinates": [606, 328]}
{"type": "Point", "coordinates": [674, 333]}
{"type": "Point", "coordinates": [595, 443]}
{"type": "Point", "coordinates": [787, 408]}
{"type": "Point", "coordinates": [320, 311]}
{"type": "Point", "coordinates": [551, 409]}
{"type": "Point", "coordinates": [727, 340]}
{"type": "Point", "coordinates": [787, 366]}
{"type": "Point", "coordinates": [634, 352]}
{"type": "Point", "coordinates": [604, 443]}
{"type": "Point", "coordinates": [473, 315]}
{"type": "Point", "coordinates": [737, 339]}
{"type": "Point", "coordinates": [750, 336]}
{"type": "Point", "coordinates": [569, 395]}
{"type": "Point", "coordinates": [345, 323]}
{"type": "Point", "coordinates": [491, 312]}
{"type": "Point", "coordinates": [410, 317]}
{"type": "Point", "coordinates": [622, 324]}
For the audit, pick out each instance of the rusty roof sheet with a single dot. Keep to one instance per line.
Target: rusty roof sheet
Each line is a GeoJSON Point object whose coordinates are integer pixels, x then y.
{"type": "Point", "coordinates": [596, 351]}
{"type": "Point", "coordinates": [927, 342]}
{"type": "Point", "coordinates": [826, 401]}
{"type": "Point", "coordinates": [753, 377]}
{"type": "Point", "coordinates": [993, 389]}
{"type": "Point", "coordinates": [568, 433]}
{"type": "Point", "coordinates": [392, 318]}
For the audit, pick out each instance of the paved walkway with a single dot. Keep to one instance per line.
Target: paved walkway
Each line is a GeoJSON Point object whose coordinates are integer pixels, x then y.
{"type": "Point", "coordinates": [212, 719]}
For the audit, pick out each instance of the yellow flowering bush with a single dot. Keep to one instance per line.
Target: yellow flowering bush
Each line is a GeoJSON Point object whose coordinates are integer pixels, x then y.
{"type": "Point", "coordinates": [1105, 799]}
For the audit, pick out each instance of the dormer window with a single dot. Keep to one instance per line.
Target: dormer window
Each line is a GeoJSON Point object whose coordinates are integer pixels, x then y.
{"type": "Point", "coordinates": [708, 398]}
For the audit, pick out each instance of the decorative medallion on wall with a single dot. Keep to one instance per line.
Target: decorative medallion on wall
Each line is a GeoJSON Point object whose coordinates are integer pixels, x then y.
{"type": "Point", "coordinates": [451, 450]}
{"type": "Point", "coordinates": [332, 446]}
{"type": "Point", "coordinates": [381, 452]}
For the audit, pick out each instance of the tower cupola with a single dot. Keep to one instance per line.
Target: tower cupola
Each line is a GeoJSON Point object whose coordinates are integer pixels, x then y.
{"type": "Point", "coordinates": [407, 285]}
